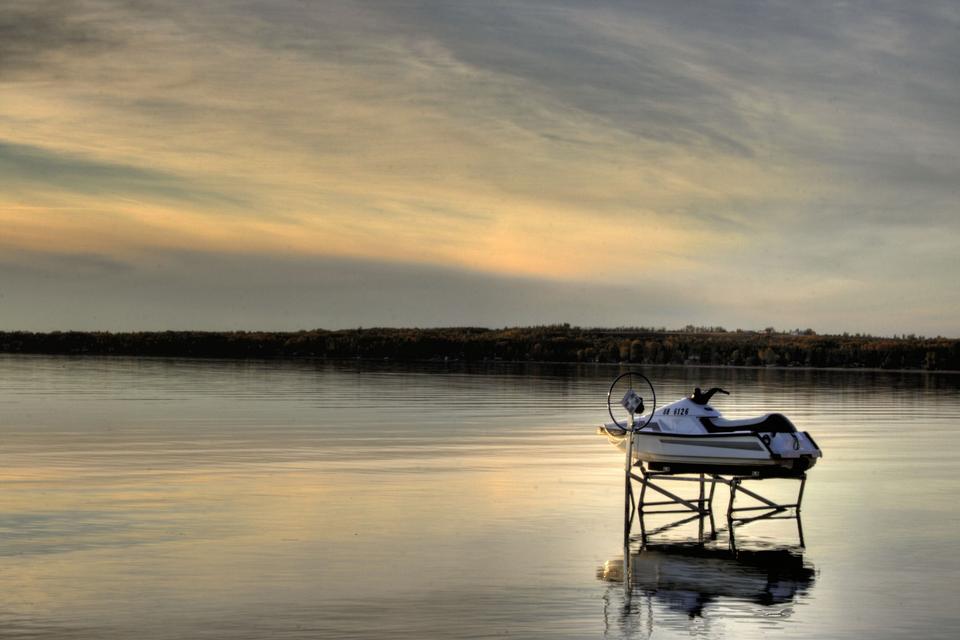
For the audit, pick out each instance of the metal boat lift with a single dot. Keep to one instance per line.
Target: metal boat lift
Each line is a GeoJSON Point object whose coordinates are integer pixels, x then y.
{"type": "Point", "coordinates": [642, 479]}
{"type": "Point", "coordinates": [641, 482]}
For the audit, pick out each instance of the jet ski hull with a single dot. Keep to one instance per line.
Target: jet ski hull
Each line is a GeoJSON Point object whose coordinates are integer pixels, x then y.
{"type": "Point", "coordinates": [745, 454]}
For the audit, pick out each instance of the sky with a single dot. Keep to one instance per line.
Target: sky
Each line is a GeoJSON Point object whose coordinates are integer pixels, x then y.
{"type": "Point", "coordinates": [288, 164]}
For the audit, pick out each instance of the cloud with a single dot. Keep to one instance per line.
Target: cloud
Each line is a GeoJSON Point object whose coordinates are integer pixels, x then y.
{"type": "Point", "coordinates": [51, 170]}
{"type": "Point", "coordinates": [804, 151]}
{"type": "Point", "coordinates": [159, 290]}
{"type": "Point", "coordinates": [37, 34]}
{"type": "Point", "coordinates": [193, 290]}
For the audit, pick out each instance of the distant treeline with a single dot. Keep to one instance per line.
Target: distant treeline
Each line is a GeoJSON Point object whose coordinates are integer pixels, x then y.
{"type": "Point", "coordinates": [555, 343]}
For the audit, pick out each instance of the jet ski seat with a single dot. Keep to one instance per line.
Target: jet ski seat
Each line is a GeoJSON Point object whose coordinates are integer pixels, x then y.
{"type": "Point", "coordinates": [770, 423]}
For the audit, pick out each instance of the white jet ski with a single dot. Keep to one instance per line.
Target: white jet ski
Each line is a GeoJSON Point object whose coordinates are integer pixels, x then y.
{"type": "Point", "coordinates": [690, 436]}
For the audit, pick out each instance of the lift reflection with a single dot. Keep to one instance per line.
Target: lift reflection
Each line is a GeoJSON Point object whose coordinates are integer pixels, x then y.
{"type": "Point", "coordinates": [690, 581]}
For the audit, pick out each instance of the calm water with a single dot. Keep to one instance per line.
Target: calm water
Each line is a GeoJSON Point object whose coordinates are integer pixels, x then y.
{"type": "Point", "coordinates": [175, 499]}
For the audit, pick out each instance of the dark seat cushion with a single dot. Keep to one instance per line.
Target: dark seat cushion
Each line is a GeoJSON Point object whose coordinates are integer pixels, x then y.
{"type": "Point", "coordinates": [773, 423]}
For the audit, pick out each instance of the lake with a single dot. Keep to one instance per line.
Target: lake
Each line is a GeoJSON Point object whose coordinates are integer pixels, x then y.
{"type": "Point", "coordinates": [151, 498]}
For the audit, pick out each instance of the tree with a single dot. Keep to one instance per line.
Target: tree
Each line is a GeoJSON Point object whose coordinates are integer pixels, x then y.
{"type": "Point", "coordinates": [769, 356]}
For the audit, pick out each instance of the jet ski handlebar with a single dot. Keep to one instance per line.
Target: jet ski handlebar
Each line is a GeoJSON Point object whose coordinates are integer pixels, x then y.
{"type": "Point", "coordinates": [632, 401]}
{"type": "Point", "coordinates": [700, 397]}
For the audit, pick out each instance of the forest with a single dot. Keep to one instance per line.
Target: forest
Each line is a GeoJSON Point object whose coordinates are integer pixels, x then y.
{"type": "Point", "coordinates": [553, 343]}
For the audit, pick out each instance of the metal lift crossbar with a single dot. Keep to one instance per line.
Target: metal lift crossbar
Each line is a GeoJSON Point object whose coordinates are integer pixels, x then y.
{"type": "Point", "coordinates": [701, 506]}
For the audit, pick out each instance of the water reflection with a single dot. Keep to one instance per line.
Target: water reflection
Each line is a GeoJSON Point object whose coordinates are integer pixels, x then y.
{"type": "Point", "coordinates": [163, 499]}
{"type": "Point", "coordinates": [691, 584]}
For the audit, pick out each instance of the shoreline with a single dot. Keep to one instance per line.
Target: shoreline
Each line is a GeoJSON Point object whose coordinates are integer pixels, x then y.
{"type": "Point", "coordinates": [622, 365]}
{"type": "Point", "coordinates": [544, 344]}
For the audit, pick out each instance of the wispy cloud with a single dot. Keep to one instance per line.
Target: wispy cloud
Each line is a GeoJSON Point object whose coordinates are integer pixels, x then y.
{"type": "Point", "coordinates": [37, 35]}
{"type": "Point", "coordinates": [53, 171]}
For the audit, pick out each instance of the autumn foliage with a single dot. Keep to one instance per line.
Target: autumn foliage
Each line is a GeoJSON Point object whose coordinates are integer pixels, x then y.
{"type": "Point", "coordinates": [554, 343]}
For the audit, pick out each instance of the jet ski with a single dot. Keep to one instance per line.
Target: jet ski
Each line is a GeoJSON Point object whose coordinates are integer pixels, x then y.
{"type": "Point", "coordinates": [690, 436]}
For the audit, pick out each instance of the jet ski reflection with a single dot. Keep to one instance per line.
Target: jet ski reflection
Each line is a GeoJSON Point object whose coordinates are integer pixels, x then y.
{"type": "Point", "coordinates": [688, 577]}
